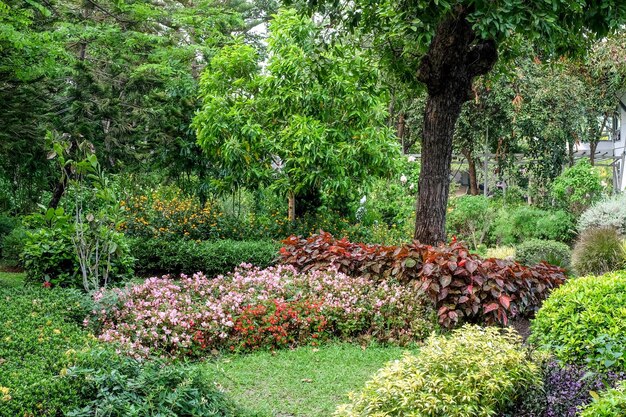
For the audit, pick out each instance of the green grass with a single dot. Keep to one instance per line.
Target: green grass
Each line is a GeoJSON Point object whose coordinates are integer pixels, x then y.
{"type": "Point", "coordinates": [11, 279]}
{"type": "Point", "coordinates": [304, 382]}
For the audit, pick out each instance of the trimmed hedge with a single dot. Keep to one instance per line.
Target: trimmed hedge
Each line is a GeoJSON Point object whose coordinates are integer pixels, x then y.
{"type": "Point", "coordinates": [157, 257]}
{"type": "Point", "coordinates": [584, 322]}
{"type": "Point", "coordinates": [534, 251]}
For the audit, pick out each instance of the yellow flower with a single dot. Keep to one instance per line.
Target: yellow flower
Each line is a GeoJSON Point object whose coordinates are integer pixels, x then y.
{"type": "Point", "coordinates": [4, 394]}
{"type": "Point", "coordinates": [56, 331]}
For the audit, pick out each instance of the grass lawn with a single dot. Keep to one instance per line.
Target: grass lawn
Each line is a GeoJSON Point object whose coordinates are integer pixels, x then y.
{"type": "Point", "coordinates": [11, 279]}
{"type": "Point", "coordinates": [305, 382]}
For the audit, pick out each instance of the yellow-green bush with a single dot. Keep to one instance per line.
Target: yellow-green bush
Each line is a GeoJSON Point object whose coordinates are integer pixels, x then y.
{"type": "Point", "coordinates": [611, 403]}
{"type": "Point", "coordinates": [584, 321]}
{"type": "Point", "coordinates": [475, 372]}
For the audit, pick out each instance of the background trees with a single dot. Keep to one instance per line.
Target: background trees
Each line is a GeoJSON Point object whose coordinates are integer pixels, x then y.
{"type": "Point", "coordinates": [445, 46]}
{"type": "Point", "coordinates": [312, 125]}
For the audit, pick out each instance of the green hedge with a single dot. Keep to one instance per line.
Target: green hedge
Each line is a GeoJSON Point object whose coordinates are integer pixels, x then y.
{"type": "Point", "coordinates": [533, 251]}
{"type": "Point", "coordinates": [584, 322]}
{"type": "Point", "coordinates": [155, 257]}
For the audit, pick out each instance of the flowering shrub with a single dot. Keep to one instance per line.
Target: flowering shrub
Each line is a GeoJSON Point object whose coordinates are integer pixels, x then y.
{"type": "Point", "coordinates": [462, 286]}
{"type": "Point", "coordinates": [277, 323]}
{"type": "Point", "coordinates": [257, 308]}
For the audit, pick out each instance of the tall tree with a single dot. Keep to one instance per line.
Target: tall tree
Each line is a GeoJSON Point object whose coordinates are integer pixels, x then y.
{"type": "Point", "coordinates": [445, 45]}
{"type": "Point", "coordinates": [314, 123]}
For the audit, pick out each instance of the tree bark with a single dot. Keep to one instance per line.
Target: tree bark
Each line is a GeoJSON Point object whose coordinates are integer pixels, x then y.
{"type": "Point", "coordinates": [473, 182]}
{"type": "Point", "coordinates": [454, 58]}
{"type": "Point", "coordinates": [292, 207]}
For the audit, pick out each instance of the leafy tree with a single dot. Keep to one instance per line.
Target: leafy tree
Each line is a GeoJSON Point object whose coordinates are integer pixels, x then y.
{"type": "Point", "coordinates": [445, 45]}
{"type": "Point", "coordinates": [313, 124]}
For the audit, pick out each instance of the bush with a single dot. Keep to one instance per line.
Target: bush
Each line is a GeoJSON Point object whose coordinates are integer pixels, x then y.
{"type": "Point", "coordinates": [583, 322]}
{"type": "Point", "coordinates": [577, 187]}
{"type": "Point", "coordinates": [117, 386]}
{"type": "Point", "coordinates": [13, 246]}
{"type": "Point", "coordinates": [534, 251]}
{"type": "Point", "coordinates": [156, 256]}
{"type": "Point", "coordinates": [514, 225]}
{"type": "Point", "coordinates": [475, 372]}
{"type": "Point", "coordinates": [565, 389]}
{"type": "Point", "coordinates": [40, 336]}
{"type": "Point", "coordinates": [50, 255]}
{"type": "Point", "coordinates": [598, 251]}
{"type": "Point", "coordinates": [470, 218]}
{"type": "Point", "coordinates": [610, 213]}
{"type": "Point", "coordinates": [253, 308]}
{"type": "Point", "coordinates": [611, 403]}
{"type": "Point", "coordinates": [462, 286]}
{"type": "Point", "coordinates": [7, 224]}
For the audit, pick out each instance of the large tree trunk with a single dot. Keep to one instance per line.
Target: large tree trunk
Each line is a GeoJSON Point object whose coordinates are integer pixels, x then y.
{"type": "Point", "coordinates": [454, 58]}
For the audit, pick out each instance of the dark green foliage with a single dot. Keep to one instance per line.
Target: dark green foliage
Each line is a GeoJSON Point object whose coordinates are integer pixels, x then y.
{"type": "Point", "coordinates": [533, 251]}
{"type": "Point", "coordinates": [598, 251]}
{"type": "Point", "coordinates": [155, 256]}
{"type": "Point", "coordinates": [39, 337]}
{"type": "Point", "coordinates": [49, 254]}
{"type": "Point", "coordinates": [583, 322]}
{"type": "Point", "coordinates": [470, 218]}
{"type": "Point", "coordinates": [12, 246]}
{"type": "Point", "coordinates": [516, 224]}
{"type": "Point", "coordinates": [117, 386]}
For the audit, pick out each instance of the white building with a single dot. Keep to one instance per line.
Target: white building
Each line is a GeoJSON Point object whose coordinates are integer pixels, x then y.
{"type": "Point", "coordinates": [611, 151]}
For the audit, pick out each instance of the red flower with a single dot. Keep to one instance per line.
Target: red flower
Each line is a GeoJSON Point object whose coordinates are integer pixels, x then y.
{"type": "Point", "coordinates": [47, 284]}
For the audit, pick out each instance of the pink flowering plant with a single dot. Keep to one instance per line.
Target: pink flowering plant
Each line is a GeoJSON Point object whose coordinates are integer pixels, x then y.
{"type": "Point", "coordinates": [254, 308]}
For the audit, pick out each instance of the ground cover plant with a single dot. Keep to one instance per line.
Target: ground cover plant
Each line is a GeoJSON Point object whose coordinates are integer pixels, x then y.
{"type": "Point", "coordinates": [461, 286]}
{"type": "Point", "coordinates": [41, 335]}
{"type": "Point", "coordinates": [565, 389]}
{"type": "Point", "coordinates": [254, 308]}
{"type": "Point", "coordinates": [611, 403]}
{"type": "Point", "coordinates": [583, 322]}
{"type": "Point", "coordinates": [472, 372]}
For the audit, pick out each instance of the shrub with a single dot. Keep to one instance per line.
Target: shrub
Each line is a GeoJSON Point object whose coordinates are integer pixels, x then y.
{"type": "Point", "coordinates": [40, 336]}
{"type": "Point", "coordinates": [598, 251]}
{"type": "Point", "coordinates": [514, 225]}
{"type": "Point", "coordinates": [50, 255]}
{"type": "Point", "coordinates": [534, 251]}
{"type": "Point", "coordinates": [156, 256]}
{"type": "Point", "coordinates": [611, 403]}
{"type": "Point", "coordinates": [610, 212]}
{"type": "Point", "coordinates": [470, 218]}
{"type": "Point", "coordinates": [475, 372]}
{"type": "Point", "coordinates": [7, 224]}
{"type": "Point", "coordinates": [13, 246]}
{"type": "Point", "coordinates": [577, 187]}
{"type": "Point", "coordinates": [583, 322]}
{"type": "Point", "coordinates": [462, 286]}
{"type": "Point", "coordinates": [117, 386]}
{"type": "Point", "coordinates": [253, 308]}
{"type": "Point", "coordinates": [565, 389]}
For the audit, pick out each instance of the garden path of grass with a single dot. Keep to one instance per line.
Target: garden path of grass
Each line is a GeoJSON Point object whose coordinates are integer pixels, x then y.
{"type": "Point", "coordinates": [304, 382]}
